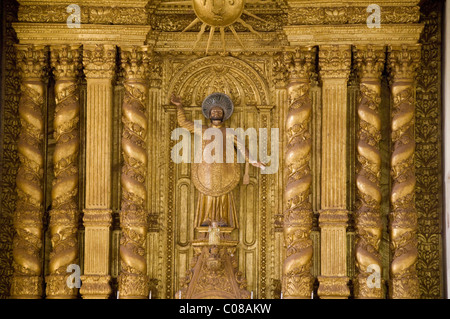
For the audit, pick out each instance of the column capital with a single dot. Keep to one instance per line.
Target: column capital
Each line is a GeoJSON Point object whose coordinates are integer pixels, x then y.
{"type": "Point", "coordinates": [32, 61]}
{"type": "Point", "coordinates": [334, 61]}
{"type": "Point", "coordinates": [299, 63]}
{"type": "Point", "coordinates": [99, 61]}
{"type": "Point", "coordinates": [403, 61]}
{"type": "Point", "coordinates": [369, 60]}
{"type": "Point", "coordinates": [135, 61]}
{"type": "Point", "coordinates": [65, 61]}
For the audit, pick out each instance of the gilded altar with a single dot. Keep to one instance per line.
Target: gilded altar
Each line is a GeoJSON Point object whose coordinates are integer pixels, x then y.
{"type": "Point", "coordinates": [87, 177]}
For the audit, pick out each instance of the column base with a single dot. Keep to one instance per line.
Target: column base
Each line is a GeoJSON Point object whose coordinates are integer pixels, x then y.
{"type": "Point", "coordinates": [57, 288]}
{"type": "Point", "coordinates": [368, 290]}
{"type": "Point", "coordinates": [133, 286]}
{"type": "Point", "coordinates": [297, 286]}
{"type": "Point", "coordinates": [95, 287]}
{"type": "Point", "coordinates": [333, 287]}
{"type": "Point", "coordinates": [406, 287]}
{"type": "Point", "coordinates": [26, 287]}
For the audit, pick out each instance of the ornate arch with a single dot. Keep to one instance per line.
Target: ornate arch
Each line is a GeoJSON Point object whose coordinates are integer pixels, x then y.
{"type": "Point", "coordinates": [230, 75]}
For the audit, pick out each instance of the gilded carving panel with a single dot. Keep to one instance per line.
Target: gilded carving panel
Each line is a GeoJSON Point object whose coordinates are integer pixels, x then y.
{"type": "Point", "coordinates": [428, 154]}
{"type": "Point", "coordinates": [10, 127]}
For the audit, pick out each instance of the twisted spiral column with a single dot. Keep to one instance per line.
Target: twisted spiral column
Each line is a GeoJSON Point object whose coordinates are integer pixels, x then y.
{"type": "Point", "coordinates": [297, 279]}
{"type": "Point", "coordinates": [369, 62]}
{"type": "Point", "coordinates": [27, 220]}
{"type": "Point", "coordinates": [404, 283]}
{"type": "Point", "coordinates": [133, 281]}
{"type": "Point", "coordinates": [64, 214]}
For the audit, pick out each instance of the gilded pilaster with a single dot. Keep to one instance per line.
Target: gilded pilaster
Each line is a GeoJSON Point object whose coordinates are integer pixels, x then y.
{"type": "Point", "coordinates": [404, 283]}
{"type": "Point", "coordinates": [133, 279]}
{"type": "Point", "coordinates": [334, 65]}
{"type": "Point", "coordinates": [297, 279]}
{"type": "Point", "coordinates": [99, 66]}
{"type": "Point", "coordinates": [369, 62]}
{"type": "Point", "coordinates": [27, 244]}
{"type": "Point", "coordinates": [64, 214]}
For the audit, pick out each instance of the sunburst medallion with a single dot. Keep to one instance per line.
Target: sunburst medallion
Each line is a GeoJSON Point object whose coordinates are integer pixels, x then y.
{"type": "Point", "coordinates": [219, 14]}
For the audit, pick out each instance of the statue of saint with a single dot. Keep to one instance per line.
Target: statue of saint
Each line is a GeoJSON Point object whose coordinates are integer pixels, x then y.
{"type": "Point", "coordinates": [215, 181]}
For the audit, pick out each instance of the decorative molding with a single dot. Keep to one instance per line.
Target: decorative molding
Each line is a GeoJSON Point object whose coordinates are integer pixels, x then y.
{"type": "Point", "coordinates": [428, 154]}
{"type": "Point", "coordinates": [208, 70]}
{"type": "Point", "coordinates": [9, 134]}
{"type": "Point", "coordinates": [97, 217]}
{"type": "Point", "coordinates": [177, 41]}
{"type": "Point", "coordinates": [353, 34]}
{"type": "Point", "coordinates": [58, 33]}
{"type": "Point", "coordinates": [40, 13]}
{"type": "Point", "coordinates": [351, 15]}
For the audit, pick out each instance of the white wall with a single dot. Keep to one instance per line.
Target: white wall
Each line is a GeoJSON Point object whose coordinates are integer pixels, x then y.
{"type": "Point", "coordinates": [446, 123]}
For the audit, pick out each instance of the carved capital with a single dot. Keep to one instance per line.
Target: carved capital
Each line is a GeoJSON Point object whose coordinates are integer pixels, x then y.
{"type": "Point", "coordinates": [99, 61]}
{"type": "Point", "coordinates": [369, 61]}
{"type": "Point", "coordinates": [135, 61]}
{"type": "Point", "coordinates": [300, 63]}
{"type": "Point", "coordinates": [334, 61]}
{"type": "Point", "coordinates": [65, 61]}
{"type": "Point", "coordinates": [403, 62]}
{"type": "Point", "coordinates": [279, 71]}
{"type": "Point", "coordinates": [32, 61]}
{"type": "Point", "coordinates": [95, 287]}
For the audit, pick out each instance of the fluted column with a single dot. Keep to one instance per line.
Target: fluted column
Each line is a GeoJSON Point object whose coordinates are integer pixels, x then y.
{"type": "Point", "coordinates": [334, 64]}
{"type": "Point", "coordinates": [27, 244]}
{"type": "Point", "coordinates": [297, 279]}
{"type": "Point", "coordinates": [133, 280]}
{"type": "Point", "coordinates": [64, 214]}
{"type": "Point", "coordinates": [404, 283]}
{"type": "Point", "coordinates": [369, 62]}
{"type": "Point", "coordinates": [99, 66]}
